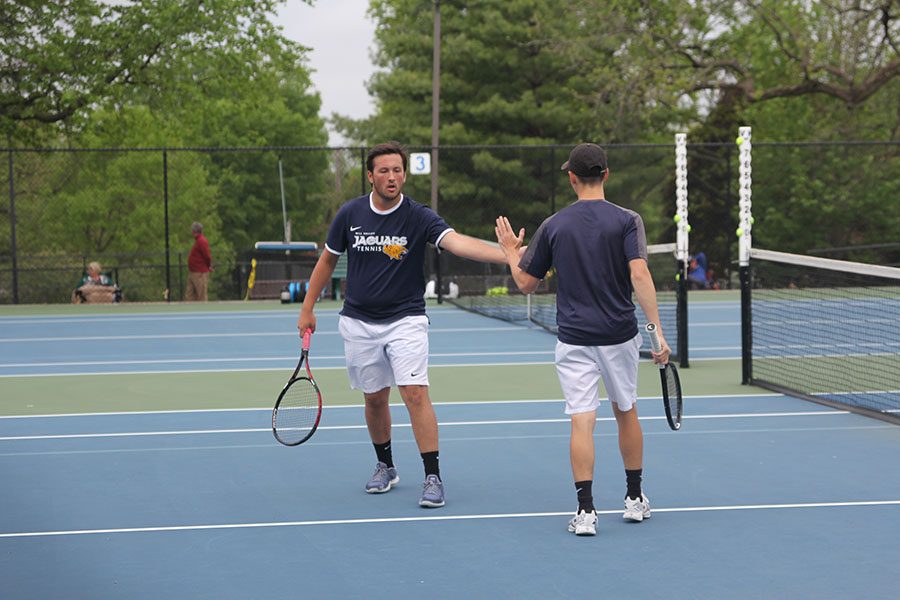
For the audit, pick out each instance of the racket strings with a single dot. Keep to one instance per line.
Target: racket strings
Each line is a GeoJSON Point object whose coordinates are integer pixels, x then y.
{"type": "Point", "coordinates": [673, 401]}
{"type": "Point", "coordinates": [298, 411]}
{"type": "Point", "coordinates": [673, 386]}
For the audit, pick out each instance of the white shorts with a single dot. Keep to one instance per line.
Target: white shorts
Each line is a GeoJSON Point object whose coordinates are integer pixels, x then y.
{"type": "Point", "coordinates": [580, 368]}
{"type": "Point", "coordinates": [381, 355]}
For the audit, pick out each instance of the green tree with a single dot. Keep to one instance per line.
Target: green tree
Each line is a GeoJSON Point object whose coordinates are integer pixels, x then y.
{"type": "Point", "coordinates": [224, 78]}
{"type": "Point", "coordinates": [60, 57]}
{"type": "Point", "coordinates": [251, 94]}
{"type": "Point", "coordinates": [794, 71]}
{"type": "Point", "coordinates": [510, 76]}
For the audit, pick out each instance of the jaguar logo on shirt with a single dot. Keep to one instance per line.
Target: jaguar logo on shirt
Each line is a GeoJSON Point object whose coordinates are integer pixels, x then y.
{"type": "Point", "coordinates": [395, 251]}
{"type": "Point", "coordinates": [392, 245]}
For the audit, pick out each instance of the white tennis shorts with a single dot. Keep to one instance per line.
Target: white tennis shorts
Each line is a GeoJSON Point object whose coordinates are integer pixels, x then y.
{"type": "Point", "coordinates": [580, 368]}
{"type": "Point", "coordinates": [381, 355]}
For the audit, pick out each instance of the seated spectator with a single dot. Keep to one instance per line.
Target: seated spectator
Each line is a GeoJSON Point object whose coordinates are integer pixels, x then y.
{"type": "Point", "coordinates": [96, 287]}
{"type": "Point", "coordinates": [95, 276]}
{"type": "Point", "coordinates": [697, 279]}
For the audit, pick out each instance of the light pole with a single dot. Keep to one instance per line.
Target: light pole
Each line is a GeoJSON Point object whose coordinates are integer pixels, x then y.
{"type": "Point", "coordinates": [435, 103]}
{"type": "Point", "coordinates": [435, 127]}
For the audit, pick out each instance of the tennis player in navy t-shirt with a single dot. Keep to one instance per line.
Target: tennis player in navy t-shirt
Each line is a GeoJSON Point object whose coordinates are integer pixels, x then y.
{"type": "Point", "coordinates": [599, 251]}
{"type": "Point", "coordinates": [383, 322]}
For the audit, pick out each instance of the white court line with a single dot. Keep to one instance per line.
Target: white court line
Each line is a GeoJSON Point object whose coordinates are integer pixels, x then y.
{"type": "Point", "coordinates": [257, 369]}
{"type": "Point", "coordinates": [294, 358]}
{"type": "Point", "coordinates": [712, 349]}
{"type": "Point", "coordinates": [164, 361]}
{"type": "Point", "coordinates": [155, 317]}
{"type": "Point", "coordinates": [397, 404]}
{"type": "Point", "coordinates": [188, 336]}
{"type": "Point", "coordinates": [318, 368]}
{"type": "Point", "coordinates": [445, 439]}
{"type": "Point", "coordinates": [185, 316]}
{"type": "Point", "coordinates": [474, 517]}
{"type": "Point", "coordinates": [67, 436]}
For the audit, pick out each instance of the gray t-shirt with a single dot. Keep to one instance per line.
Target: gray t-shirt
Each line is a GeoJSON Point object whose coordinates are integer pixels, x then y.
{"type": "Point", "coordinates": [590, 244]}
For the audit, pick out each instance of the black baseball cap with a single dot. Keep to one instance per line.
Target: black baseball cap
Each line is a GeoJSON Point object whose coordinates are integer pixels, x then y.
{"type": "Point", "coordinates": [586, 160]}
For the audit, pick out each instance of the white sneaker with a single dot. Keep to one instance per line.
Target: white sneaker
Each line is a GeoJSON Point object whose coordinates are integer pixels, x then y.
{"type": "Point", "coordinates": [637, 510]}
{"type": "Point", "coordinates": [584, 523]}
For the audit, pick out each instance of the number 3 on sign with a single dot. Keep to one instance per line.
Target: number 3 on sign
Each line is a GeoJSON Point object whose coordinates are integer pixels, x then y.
{"type": "Point", "coordinates": [420, 163]}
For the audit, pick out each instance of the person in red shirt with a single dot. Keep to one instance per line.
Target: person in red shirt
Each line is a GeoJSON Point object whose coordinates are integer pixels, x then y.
{"type": "Point", "coordinates": [199, 266]}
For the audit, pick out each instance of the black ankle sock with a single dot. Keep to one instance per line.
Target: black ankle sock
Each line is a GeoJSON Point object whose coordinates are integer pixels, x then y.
{"type": "Point", "coordinates": [432, 467]}
{"type": "Point", "coordinates": [633, 481]}
{"type": "Point", "coordinates": [383, 452]}
{"type": "Point", "coordinates": [585, 499]}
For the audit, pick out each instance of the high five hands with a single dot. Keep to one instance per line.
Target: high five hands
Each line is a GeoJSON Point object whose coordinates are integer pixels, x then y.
{"type": "Point", "coordinates": [508, 240]}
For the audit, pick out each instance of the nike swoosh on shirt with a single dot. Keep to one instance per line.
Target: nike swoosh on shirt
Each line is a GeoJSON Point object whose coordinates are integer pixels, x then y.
{"type": "Point", "coordinates": [355, 228]}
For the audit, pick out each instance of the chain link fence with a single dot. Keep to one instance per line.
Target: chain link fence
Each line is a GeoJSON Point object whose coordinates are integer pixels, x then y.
{"type": "Point", "coordinates": [131, 209]}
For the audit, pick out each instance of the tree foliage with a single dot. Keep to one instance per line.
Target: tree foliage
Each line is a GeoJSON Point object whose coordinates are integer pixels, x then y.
{"type": "Point", "coordinates": [625, 71]}
{"type": "Point", "coordinates": [214, 74]}
{"type": "Point", "coordinates": [59, 57]}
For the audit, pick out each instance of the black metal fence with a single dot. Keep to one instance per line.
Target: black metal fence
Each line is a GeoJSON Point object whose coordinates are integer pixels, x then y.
{"type": "Point", "coordinates": [131, 209]}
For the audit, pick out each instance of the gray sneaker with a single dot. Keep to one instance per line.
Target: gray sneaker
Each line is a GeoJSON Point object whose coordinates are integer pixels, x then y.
{"type": "Point", "coordinates": [382, 480]}
{"type": "Point", "coordinates": [584, 523]}
{"type": "Point", "coordinates": [636, 510]}
{"type": "Point", "coordinates": [432, 492]}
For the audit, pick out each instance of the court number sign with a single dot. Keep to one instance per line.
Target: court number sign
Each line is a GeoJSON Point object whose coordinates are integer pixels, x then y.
{"type": "Point", "coordinates": [420, 163]}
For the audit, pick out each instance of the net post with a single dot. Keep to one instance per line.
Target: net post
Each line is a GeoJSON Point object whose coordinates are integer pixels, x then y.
{"type": "Point", "coordinates": [746, 326]}
{"type": "Point", "coordinates": [528, 308]}
{"type": "Point", "coordinates": [745, 214]}
{"type": "Point", "coordinates": [682, 245]}
{"type": "Point", "coordinates": [745, 225]}
{"type": "Point", "coordinates": [681, 316]}
{"type": "Point", "coordinates": [681, 199]}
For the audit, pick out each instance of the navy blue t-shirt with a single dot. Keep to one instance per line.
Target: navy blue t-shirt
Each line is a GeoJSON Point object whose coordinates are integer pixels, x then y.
{"type": "Point", "coordinates": [590, 243]}
{"type": "Point", "coordinates": [385, 257]}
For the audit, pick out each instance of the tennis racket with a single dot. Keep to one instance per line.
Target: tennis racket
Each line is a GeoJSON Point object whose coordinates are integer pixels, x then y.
{"type": "Point", "coordinates": [299, 406]}
{"type": "Point", "coordinates": [671, 383]}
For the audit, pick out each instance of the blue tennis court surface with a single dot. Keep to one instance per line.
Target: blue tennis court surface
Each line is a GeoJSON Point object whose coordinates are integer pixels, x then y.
{"type": "Point", "coordinates": [758, 496]}
{"type": "Point", "coordinates": [153, 343]}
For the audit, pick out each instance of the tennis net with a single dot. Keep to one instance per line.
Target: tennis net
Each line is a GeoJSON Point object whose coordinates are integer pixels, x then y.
{"type": "Point", "coordinates": [824, 330]}
{"type": "Point", "coordinates": [488, 289]}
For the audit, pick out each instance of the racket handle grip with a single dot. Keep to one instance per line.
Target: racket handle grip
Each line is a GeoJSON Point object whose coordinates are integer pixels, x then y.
{"type": "Point", "coordinates": [654, 337]}
{"type": "Point", "coordinates": [306, 336]}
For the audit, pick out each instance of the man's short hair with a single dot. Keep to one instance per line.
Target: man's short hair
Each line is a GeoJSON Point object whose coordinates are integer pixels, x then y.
{"type": "Point", "coordinates": [391, 147]}
{"type": "Point", "coordinates": [590, 181]}
{"type": "Point", "coordinates": [196, 227]}
{"type": "Point", "coordinates": [94, 267]}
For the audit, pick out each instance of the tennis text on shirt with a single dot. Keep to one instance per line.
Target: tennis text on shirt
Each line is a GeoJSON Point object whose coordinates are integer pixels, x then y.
{"type": "Point", "coordinates": [393, 246]}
